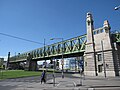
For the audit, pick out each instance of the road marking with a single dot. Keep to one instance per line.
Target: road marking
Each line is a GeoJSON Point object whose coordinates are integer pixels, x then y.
{"type": "Point", "coordinates": [91, 89]}
{"type": "Point", "coordinates": [74, 84]}
{"type": "Point", "coordinates": [58, 84]}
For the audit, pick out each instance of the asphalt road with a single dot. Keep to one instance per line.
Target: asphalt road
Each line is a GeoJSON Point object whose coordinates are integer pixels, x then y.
{"type": "Point", "coordinates": [12, 84]}
{"type": "Point", "coordinates": [70, 82]}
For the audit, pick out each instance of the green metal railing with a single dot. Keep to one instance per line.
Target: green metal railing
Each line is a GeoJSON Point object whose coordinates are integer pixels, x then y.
{"type": "Point", "coordinates": [70, 46]}
{"type": "Point", "coordinates": [117, 37]}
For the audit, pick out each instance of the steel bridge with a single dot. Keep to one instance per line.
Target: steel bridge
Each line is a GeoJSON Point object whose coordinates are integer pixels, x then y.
{"type": "Point", "coordinates": [68, 47]}
{"type": "Point", "coordinates": [71, 47]}
{"type": "Point", "coordinates": [117, 37]}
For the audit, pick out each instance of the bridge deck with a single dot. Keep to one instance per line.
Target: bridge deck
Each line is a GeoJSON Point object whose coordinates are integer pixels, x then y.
{"type": "Point", "coordinates": [68, 47]}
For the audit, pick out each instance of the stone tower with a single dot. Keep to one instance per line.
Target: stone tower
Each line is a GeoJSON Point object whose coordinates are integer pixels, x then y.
{"type": "Point", "coordinates": [98, 51]}
{"type": "Point", "coordinates": [90, 59]}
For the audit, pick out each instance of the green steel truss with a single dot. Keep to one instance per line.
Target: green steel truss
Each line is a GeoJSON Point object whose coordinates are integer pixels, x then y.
{"type": "Point", "coordinates": [117, 37]}
{"type": "Point", "coordinates": [70, 46]}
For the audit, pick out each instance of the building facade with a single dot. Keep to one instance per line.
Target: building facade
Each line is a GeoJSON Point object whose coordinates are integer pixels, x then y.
{"type": "Point", "coordinates": [101, 54]}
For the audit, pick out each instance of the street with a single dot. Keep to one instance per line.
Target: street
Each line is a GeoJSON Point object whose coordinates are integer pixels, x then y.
{"type": "Point", "coordinates": [69, 82]}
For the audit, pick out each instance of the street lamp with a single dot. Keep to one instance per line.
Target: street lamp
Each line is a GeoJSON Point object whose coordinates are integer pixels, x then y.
{"type": "Point", "coordinates": [62, 62]}
{"type": "Point", "coordinates": [116, 8]}
{"type": "Point", "coordinates": [45, 67]}
{"type": "Point", "coordinates": [44, 52]}
{"type": "Point", "coordinates": [54, 72]}
{"type": "Point", "coordinates": [104, 65]}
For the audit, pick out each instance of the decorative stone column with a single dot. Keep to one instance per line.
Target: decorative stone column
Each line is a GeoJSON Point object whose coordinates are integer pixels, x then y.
{"type": "Point", "coordinates": [90, 59]}
{"type": "Point", "coordinates": [31, 65]}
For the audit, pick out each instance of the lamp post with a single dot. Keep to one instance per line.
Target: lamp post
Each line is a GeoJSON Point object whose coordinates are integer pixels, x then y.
{"type": "Point", "coordinates": [116, 8]}
{"type": "Point", "coordinates": [44, 52]}
{"type": "Point", "coordinates": [8, 60]}
{"type": "Point", "coordinates": [54, 72]}
{"type": "Point", "coordinates": [62, 62]}
{"type": "Point", "coordinates": [44, 56]}
{"type": "Point", "coordinates": [104, 65]}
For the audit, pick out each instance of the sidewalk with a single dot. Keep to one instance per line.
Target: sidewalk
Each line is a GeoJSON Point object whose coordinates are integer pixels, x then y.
{"type": "Point", "coordinates": [87, 83]}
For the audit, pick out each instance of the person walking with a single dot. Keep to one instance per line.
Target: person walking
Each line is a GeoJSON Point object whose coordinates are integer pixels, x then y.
{"type": "Point", "coordinates": [43, 77]}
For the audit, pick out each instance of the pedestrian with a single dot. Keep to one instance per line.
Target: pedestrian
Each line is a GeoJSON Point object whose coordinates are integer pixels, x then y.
{"type": "Point", "coordinates": [43, 77]}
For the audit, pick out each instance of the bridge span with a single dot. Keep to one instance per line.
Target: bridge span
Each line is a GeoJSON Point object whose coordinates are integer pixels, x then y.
{"type": "Point", "coordinates": [100, 48]}
{"type": "Point", "coordinates": [71, 47]}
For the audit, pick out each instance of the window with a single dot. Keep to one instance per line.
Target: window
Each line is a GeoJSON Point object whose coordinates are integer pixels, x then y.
{"type": "Point", "coordinates": [99, 57]}
{"type": "Point", "coordinates": [88, 22]}
{"type": "Point", "coordinates": [101, 30]}
{"type": "Point", "coordinates": [94, 33]}
{"type": "Point", "coordinates": [97, 31]}
{"type": "Point", "coordinates": [100, 68]}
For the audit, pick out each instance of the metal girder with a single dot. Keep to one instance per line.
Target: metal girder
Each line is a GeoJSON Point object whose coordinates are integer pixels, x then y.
{"type": "Point", "coordinates": [117, 37]}
{"type": "Point", "coordinates": [70, 46]}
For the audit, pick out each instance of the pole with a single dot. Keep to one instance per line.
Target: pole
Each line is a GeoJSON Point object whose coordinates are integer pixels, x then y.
{"type": "Point", "coordinates": [2, 72]}
{"type": "Point", "coordinates": [103, 59]}
{"type": "Point", "coordinates": [8, 60]}
{"type": "Point", "coordinates": [54, 73]}
{"type": "Point", "coordinates": [62, 60]}
{"type": "Point", "coordinates": [75, 65]}
{"type": "Point", "coordinates": [80, 78]}
{"type": "Point", "coordinates": [45, 61]}
{"type": "Point", "coordinates": [44, 53]}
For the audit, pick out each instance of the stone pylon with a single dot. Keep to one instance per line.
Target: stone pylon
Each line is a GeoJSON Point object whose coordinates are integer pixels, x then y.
{"type": "Point", "coordinates": [31, 65]}
{"type": "Point", "coordinates": [99, 58]}
{"type": "Point", "coordinates": [90, 59]}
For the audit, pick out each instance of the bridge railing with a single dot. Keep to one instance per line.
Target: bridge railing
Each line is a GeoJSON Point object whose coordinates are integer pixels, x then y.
{"type": "Point", "coordinates": [98, 30]}
{"type": "Point", "coordinates": [115, 34]}
{"type": "Point", "coordinates": [117, 37]}
{"type": "Point", "coordinates": [70, 46]}
{"type": "Point", "coordinates": [21, 57]}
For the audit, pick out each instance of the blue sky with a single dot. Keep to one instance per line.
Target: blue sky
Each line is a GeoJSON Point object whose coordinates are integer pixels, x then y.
{"type": "Point", "coordinates": [44, 19]}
